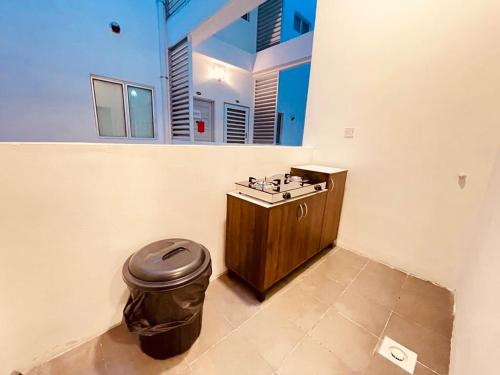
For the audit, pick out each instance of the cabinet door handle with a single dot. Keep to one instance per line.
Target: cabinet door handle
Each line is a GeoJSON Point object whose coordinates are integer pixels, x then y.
{"type": "Point", "coordinates": [301, 212]}
{"type": "Point", "coordinates": [307, 209]}
{"type": "Point", "coordinates": [332, 183]}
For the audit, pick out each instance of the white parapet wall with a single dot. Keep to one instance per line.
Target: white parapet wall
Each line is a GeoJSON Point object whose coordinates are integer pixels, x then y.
{"type": "Point", "coordinates": [72, 214]}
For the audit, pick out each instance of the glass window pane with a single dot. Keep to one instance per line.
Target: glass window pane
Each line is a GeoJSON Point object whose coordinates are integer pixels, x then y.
{"type": "Point", "coordinates": [296, 23]}
{"type": "Point", "coordinates": [305, 27]}
{"type": "Point", "coordinates": [140, 103]}
{"type": "Point", "coordinates": [110, 108]}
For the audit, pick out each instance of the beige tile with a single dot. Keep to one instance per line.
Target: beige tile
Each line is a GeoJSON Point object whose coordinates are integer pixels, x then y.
{"type": "Point", "coordinates": [379, 283]}
{"type": "Point", "coordinates": [298, 307]}
{"type": "Point", "coordinates": [123, 355]}
{"type": "Point", "coordinates": [213, 329]}
{"type": "Point", "coordinates": [312, 358]}
{"type": "Point", "coordinates": [272, 336]}
{"type": "Point", "coordinates": [342, 266]}
{"type": "Point", "coordinates": [317, 284]}
{"type": "Point", "coordinates": [363, 311]}
{"type": "Point", "coordinates": [233, 355]}
{"type": "Point", "coordinates": [433, 349]}
{"type": "Point", "coordinates": [232, 299]}
{"type": "Point", "coordinates": [350, 343]}
{"type": "Point", "coordinates": [427, 305]}
{"type": "Point", "coordinates": [381, 366]}
{"type": "Point", "coordinates": [82, 360]}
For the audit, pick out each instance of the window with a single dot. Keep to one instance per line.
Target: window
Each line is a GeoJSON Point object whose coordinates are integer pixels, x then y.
{"type": "Point", "coordinates": [123, 109]}
{"type": "Point", "coordinates": [246, 17]}
{"type": "Point", "coordinates": [300, 24]}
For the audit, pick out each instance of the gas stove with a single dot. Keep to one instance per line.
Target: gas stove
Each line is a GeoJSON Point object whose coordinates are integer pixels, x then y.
{"type": "Point", "coordinates": [278, 187]}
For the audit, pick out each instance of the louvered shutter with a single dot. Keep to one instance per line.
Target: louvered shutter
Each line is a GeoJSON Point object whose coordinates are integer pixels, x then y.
{"type": "Point", "coordinates": [269, 24]}
{"type": "Point", "coordinates": [235, 123]}
{"type": "Point", "coordinates": [265, 111]}
{"type": "Point", "coordinates": [179, 61]}
{"type": "Point", "coordinates": [174, 5]}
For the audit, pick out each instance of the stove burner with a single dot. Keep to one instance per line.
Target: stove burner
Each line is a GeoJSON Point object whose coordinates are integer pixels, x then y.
{"type": "Point", "coordinates": [275, 188]}
{"type": "Point", "coordinates": [262, 185]}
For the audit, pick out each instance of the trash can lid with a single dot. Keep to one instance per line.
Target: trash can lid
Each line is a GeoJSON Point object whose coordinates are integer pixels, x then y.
{"type": "Point", "coordinates": [167, 260]}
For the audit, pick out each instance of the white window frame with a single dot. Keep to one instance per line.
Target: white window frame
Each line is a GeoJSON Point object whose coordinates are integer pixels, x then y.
{"type": "Point", "coordinates": [125, 85]}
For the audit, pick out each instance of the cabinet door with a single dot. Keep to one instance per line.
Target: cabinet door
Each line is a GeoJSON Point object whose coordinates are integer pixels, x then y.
{"type": "Point", "coordinates": [294, 235]}
{"type": "Point", "coordinates": [335, 186]}
{"type": "Point", "coordinates": [310, 229]}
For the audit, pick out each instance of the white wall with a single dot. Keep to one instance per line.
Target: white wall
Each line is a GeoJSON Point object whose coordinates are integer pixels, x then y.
{"type": "Point", "coordinates": [48, 49]}
{"type": "Point", "coordinates": [239, 85]}
{"type": "Point", "coordinates": [72, 213]}
{"type": "Point", "coordinates": [420, 83]}
{"type": "Point", "coordinates": [241, 33]}
{"type": "Point", "coordinates": [476, 335]}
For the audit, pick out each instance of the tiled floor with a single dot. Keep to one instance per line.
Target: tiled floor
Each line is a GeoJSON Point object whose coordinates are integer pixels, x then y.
{"type": "Point", "coordinates": [327, 318]}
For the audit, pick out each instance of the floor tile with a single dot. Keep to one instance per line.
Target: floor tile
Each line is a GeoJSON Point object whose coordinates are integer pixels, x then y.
{"type": "Point", "coordinates": [379, 283]}
{"type": "Point", "coordinates": [232, 299]}
{"type": "Point", "coordinates": [350, 343]}
{"type": "Point", "coordinates": [317, 284]}
{"type": "Point", "coordinates": [363, 311]}
{"type": "Point", "coordinates": [298, 307]}
{"type": "Point", "coordinates": [86, 359]}
{"type": "Point", "coordinates": [381, 366]}
{"type": "Point", "coordinates": [342, 265]}
{"type": "Point", "coordinates": [427, 305]}
{"type": "Point", "coordinates": [272, 336]}
{"type": "Point", "coordinates": [233, 355]}
{"type": "Point", "coordinates": [433, 349]}
{"type": "Point", "coordinates": [312, 358]}
{"type": "Point", "coordinates": [213, 329]}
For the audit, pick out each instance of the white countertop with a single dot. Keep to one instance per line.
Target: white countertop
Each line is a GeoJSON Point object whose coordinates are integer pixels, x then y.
{"type": "Point", "coordinates": [269, 205]}
{"type": "Point", "coordinates": [320, 168]}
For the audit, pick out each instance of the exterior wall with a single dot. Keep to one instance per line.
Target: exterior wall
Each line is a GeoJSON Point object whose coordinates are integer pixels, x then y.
{"type": "Point", "coordinates": [72, 214]}
{"type": "Point", "coordinates": [306, 9]}
{"type": "Point", "coordinates": [477, 331]}
{"type": "Point", "coordinates": [420, 85]}
{"type": "Point", "coordinates": [239, 85]}
{"type": "Point", "coordinates": [241, 33]}
{"type": "Point", "coordinates": [49, 49]}
{"type": "Point", "coordinates": [292, 101]}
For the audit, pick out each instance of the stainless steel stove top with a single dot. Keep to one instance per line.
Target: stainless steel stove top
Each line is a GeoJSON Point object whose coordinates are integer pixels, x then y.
{"type": "Point", "coordinates": [278, 187]}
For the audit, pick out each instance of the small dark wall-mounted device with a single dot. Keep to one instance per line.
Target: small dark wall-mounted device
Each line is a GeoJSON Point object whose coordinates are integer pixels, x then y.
{"type": "Point", "coordinates": [115, 27]}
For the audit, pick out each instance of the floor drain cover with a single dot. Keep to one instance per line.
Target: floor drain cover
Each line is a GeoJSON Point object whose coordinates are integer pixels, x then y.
{"type": "Point", "coordinates": [398, 354]}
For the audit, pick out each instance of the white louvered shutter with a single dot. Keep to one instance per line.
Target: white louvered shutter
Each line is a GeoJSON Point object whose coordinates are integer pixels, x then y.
{"type": "Point", "coordinates": [265, 110]}
{"type": "Point", "coordinates": [269, 24]}
{"type": "Point", "coordinates": [179, 61]}
{"type": "Point", "coordinates": [173, 6]}
{"type": "Point", "coordinates": [236, 119]}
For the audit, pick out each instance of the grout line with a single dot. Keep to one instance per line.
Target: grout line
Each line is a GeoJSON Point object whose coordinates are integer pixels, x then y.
{"type": "Point", "coordinates": [332, 306]}
{"type": "Point", "coordinates": [428, 368]}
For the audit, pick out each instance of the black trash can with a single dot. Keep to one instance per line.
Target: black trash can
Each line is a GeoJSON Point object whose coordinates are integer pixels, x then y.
{"type": "Point", "coordinates": [167, 280]}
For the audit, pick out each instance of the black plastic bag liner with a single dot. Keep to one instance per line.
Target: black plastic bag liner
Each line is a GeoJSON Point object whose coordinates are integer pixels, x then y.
{"type": "Point", "coordinates": [167, 281]}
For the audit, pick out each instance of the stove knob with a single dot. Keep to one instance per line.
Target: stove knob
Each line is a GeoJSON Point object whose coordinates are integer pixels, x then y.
{"type": "Point", "coordinates": [317, 187]}
{"type": "Point", "coordinates": [287, 195]}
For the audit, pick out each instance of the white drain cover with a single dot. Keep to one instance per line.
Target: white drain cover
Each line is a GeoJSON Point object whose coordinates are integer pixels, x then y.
{"type": "Point", "coordinates": [398, 354]}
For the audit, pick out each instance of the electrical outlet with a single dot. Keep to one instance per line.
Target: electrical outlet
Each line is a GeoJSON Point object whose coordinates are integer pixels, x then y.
{"type": "Point", "coordinates": [349, 133]}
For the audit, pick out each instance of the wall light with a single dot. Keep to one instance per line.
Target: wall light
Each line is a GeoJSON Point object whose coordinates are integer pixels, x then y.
{"type": "Point", "coordinates": [219, 73]}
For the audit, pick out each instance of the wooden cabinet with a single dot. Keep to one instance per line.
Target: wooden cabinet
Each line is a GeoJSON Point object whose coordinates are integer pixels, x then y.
{"type": "Point", "coordinates": [266, 242]}
{"type": "Point", "coordinates": [335, 184]}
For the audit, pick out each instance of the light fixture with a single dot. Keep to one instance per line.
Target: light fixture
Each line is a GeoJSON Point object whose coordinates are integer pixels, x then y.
{"type": "Point", "coordinates": [133, 93]}
{"type": "Point", "coordinates": [219, 73]}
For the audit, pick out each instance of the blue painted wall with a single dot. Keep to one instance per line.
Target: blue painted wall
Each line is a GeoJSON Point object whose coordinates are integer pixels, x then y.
{"type": "Point", "coordinates": [306, 8]}
{"type": "Point", "coordinates": [294, 83]}
{"type": "Point", "coordinates": [292, 101]}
